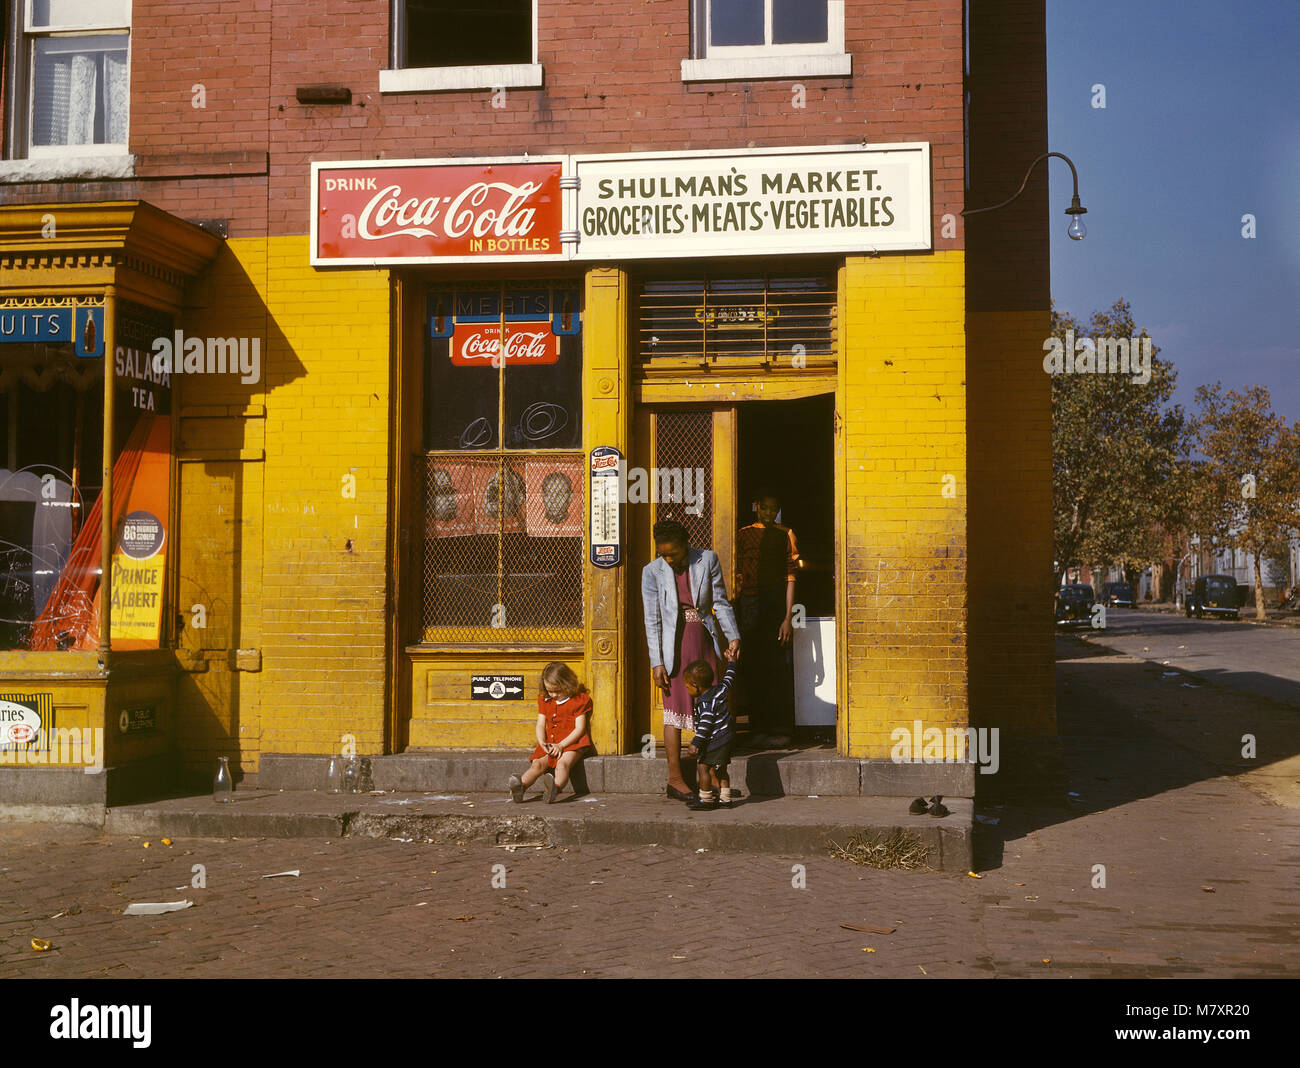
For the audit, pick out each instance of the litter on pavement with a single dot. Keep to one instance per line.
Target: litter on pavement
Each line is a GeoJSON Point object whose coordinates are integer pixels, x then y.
{"type": "Point", "coordinates": [155, 908]}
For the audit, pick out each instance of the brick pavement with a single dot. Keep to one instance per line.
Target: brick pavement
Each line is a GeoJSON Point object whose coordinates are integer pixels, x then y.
{"type": "Point", "coordinates": [1163, 818]}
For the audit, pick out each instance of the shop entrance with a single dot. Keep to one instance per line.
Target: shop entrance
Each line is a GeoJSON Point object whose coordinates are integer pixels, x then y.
{"type": "Point", "coordinates": [721, 457]}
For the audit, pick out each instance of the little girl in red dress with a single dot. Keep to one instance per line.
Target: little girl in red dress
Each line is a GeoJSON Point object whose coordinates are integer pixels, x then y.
{"type": "Point", "coordinates": [563, 716]}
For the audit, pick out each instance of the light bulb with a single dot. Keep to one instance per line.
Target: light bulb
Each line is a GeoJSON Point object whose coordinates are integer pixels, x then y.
{"type": "Point", "coordinates": [1077, 230]}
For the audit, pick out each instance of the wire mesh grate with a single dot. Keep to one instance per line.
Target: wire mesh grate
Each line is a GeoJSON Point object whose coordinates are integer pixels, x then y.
{"type": "Point", "coordinates": [684, 470]}
{"type": "Point", "coordinates": [503, 546]}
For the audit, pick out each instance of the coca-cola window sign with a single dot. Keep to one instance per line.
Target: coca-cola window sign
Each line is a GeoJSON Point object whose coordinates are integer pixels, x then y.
{"type": "Point", "coordinates": [437, 211]}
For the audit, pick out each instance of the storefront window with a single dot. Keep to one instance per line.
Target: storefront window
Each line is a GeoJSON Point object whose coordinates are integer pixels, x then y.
{"type": "Point", "coordinates": [51, 425]}
{"type": "Point", "coordinates": [502, 470]}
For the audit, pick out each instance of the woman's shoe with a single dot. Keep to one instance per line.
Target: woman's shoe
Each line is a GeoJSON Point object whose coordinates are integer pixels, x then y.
{"type": "Point", "coordinates": [679, 795]}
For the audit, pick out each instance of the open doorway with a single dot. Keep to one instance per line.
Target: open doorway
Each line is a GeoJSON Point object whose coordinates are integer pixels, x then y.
{"type": "Point", "coordinates": [788, 448]}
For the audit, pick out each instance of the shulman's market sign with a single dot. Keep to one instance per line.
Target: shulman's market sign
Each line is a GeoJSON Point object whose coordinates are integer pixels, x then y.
{"type": "Point", "coordinates": [655, 205]}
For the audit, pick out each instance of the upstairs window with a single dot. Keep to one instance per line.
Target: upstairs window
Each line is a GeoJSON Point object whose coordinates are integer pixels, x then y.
{"type": "Point", "coordinates": [734, 29]}
{"type": "Point", "coordinates": [71, 83]}
{"type": "Point", "coordinates": [442, 45]}
{"type": "Point", "coordinates": [465, 33]}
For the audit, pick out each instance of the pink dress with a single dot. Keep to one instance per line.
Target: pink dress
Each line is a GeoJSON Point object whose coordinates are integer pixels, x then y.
{"type": "Point", "coordinates": [693, 643]}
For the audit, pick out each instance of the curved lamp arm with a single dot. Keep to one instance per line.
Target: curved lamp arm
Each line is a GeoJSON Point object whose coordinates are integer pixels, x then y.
{"type": "Point", "coordinates": [1077, 230]}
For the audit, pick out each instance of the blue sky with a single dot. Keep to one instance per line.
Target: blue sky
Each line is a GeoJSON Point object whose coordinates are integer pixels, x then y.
{"type": "Point", "coordinates": [1201, 126]}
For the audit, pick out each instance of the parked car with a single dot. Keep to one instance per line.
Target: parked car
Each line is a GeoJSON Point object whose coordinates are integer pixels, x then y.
{"type": "Point", "coordinates": [1117, 595]}
{"type": "Point", "coordinates": [1074, 605]}
{"type": "Point", "coordinates": [1213, 595]}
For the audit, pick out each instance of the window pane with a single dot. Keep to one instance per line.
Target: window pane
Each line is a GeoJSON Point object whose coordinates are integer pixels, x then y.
{"type": "Point", "coordinates": [80, 91]}
{"type": "Point", "coordinates": [544, 402]}
{"type": "Point", "coordinates": [79, 13]}
{"type": "Point", "coordinates": [460, 403]}
{"type": "Point", "coordinates": [49, 481]}
{"type": "Point", "coordinates": [798, 21]}
{"type": "Point", "coordinates": [736, 22]}
{"type": "Point", "coordinates": [466, 33]}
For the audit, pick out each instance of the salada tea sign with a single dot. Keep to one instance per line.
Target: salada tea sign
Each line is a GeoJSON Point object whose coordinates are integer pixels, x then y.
{"type": "Point", "coordinates": [648, 205]}
{"type": "Point", "coordinates": [436, 211]}
{"type": "Point", "coordinates": [758, 202]}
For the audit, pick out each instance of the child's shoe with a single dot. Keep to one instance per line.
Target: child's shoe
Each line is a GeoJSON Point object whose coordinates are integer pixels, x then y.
{"type": "Point", "coordinates": [549, 789]}
{"type": "Point", "coordinates": [516, 789]}
{"type": "Point", "coordinates": [705, 802]}
{"type": "Point", "coordinates": [728, 796]}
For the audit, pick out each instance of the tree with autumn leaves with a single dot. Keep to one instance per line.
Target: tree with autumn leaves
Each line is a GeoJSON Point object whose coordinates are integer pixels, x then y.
{"type": "Point", "coordinates": [1132, 475]}
{"type": "Point", "coordinates": [1246, 490]}
{"type": "Point", "coordinates": [1118, 483]}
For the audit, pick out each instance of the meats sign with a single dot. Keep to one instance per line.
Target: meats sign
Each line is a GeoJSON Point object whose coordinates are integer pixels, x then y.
{"type": "Point", "coordinates": [646, 205]}
{"type": "Point", "coordinates": [414, 212]}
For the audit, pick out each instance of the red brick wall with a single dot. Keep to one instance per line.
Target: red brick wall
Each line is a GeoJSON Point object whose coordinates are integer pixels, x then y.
{"type": "Point", "coordinates": [612, 83]}
{"type": "Point", "coordinates": [1007, 263]}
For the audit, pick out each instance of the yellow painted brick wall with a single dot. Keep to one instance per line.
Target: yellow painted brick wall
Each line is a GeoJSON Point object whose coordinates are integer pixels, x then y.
{"type": "Point", "coordinates": [327, 409]}
{"type": "Point", "coordinates": [903, 542]}
{"type": "Point", "coordinates": [311, 604]}
{"type": "Point", "coordinates": [221, 440]}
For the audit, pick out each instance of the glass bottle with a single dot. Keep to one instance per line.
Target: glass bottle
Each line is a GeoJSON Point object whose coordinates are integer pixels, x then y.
{"type": "Point", "coordinates": [351, 775]}
{"type": "Point", "coordinates": [223, 786]}
{"type": "Point", "coordinates": [334, 775]}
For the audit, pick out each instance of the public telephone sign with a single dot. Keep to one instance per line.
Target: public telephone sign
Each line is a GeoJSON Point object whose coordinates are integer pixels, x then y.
{"type": "Point", "coordinates": [435, 211]}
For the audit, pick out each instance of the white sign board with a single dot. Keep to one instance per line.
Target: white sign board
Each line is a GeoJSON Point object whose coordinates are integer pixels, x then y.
{"type": "Point", "coordinates": [768, 201]}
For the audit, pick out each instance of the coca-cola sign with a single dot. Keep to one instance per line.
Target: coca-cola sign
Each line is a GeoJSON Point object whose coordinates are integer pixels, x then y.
{"type": "Point", "coordinates": [436, 212]}
{"type": "Point", "coordinates": [527, 345]}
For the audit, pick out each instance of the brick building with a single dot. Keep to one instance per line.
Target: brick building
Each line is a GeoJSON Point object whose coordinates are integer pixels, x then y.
{"type": "Point", "coordinates": [360, 520]}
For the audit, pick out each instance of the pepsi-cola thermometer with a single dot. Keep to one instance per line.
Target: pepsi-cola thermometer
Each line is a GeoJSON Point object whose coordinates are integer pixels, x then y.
{"type": "Point", "coordinates": [606, 515]}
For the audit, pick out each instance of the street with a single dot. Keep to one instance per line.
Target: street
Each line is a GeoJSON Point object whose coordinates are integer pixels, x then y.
{"type": "Point", "coordinates": [1257, 659]}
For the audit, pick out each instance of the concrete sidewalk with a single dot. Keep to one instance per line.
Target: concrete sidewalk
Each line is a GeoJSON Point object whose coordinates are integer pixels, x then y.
{"type": "Point", "coordinates": [755, 825]}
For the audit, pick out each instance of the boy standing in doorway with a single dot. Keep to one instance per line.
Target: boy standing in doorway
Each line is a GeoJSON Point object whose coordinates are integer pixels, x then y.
{"type": "Point", "coordinates": [767, 559]}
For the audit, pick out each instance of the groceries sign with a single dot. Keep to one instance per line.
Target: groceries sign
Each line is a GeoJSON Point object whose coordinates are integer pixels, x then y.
{"type": "Point", "coordinates": [653, 205]}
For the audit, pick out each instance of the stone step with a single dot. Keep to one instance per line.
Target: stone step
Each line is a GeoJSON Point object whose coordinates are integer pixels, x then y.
{"type": "Point", "coordinates": [799, 827]}
{"type": "Point", "coordinates": [803, 772]}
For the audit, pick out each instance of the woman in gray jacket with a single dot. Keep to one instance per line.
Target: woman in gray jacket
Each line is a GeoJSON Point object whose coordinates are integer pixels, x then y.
{"type": "Point", "coordinates": [681, 591]}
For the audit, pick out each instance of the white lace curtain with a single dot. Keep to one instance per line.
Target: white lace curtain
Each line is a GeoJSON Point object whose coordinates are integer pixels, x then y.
{"type": "Point", "coordinates": [80, 92]}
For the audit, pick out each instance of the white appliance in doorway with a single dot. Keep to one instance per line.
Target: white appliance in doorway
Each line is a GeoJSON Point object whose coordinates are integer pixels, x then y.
{"type": "Point", "coordinates": [814, 672]}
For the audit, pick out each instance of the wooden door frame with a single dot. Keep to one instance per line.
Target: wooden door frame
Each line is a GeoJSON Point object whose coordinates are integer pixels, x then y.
{"type": "Point", "coordinates": [727, 509]}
